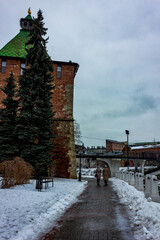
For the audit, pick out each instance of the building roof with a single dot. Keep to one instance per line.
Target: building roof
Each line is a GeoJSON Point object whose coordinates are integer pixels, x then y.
{"type": "Point", "coordinates": [145, 147]}
{"type": "Point", "coordinates": [16, 47]}
{"type": "Point", "coordinates": [113, 141]}
{"type": "Point", "coordinates": [117, 153]}
{"type": "Point", "coordinates": [144, 143]}
{"type": "Point", "coordinates": [28, 16]}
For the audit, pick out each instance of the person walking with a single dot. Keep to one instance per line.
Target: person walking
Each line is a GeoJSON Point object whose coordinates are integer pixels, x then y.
{"type": "Point", "coordinates": [98, 174]}
{"type": "Point", "coordinates": [105, 174]}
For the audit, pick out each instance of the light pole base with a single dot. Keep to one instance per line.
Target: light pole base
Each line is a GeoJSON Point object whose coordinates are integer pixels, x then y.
{"type": "Point", "coordinates": [79, 177]}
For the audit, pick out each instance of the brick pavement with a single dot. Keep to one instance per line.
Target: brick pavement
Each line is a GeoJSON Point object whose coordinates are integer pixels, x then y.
{"type": "Point", "coordinates": [98, 215]}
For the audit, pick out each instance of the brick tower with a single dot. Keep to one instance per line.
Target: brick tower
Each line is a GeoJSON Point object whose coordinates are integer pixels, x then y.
{"type": "Point", "coordinates": [12, 58]}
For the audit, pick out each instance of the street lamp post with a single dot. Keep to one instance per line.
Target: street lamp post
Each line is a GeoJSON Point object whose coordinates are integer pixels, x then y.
{"type": "Point", "coordinates": [80, 164]}
{"type": "Point", "coordinates": [127, 133]}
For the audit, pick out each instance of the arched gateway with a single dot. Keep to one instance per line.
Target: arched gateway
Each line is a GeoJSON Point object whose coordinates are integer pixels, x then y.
{"type": "Point", "coordinates": [113, 164]}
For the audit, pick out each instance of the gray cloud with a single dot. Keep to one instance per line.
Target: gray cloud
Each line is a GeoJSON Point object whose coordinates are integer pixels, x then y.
{"type": "Point", "coordinates": [117, 44]}
{"type": "Point", "coordinates": [139, 105]}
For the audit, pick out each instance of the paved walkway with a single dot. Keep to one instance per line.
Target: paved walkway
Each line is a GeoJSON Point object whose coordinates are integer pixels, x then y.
{"type": "Point", "coordinates": [98, 215]}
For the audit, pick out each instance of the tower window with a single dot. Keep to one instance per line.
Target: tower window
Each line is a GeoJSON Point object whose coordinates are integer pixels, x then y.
{"type": "Point", "coordinates": [22, 68]}
{"type": "Point", "coordinates": [59, 70]}
{"type": "Point", "coordinates": [3, 66]}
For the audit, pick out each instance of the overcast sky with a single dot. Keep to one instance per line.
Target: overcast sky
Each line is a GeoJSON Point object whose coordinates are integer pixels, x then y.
{"type": "Point", "coordinates": [117, 45]}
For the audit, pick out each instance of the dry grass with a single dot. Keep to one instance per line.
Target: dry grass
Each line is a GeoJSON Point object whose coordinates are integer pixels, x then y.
{"type": "Point", "coordinates": [15, 172]}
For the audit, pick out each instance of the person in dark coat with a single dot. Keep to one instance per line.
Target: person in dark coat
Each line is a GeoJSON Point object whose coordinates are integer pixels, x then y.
{"type": "Point", "coordinates": [98, 172]}
{"type": "Point", "coordinates": [105, 174]}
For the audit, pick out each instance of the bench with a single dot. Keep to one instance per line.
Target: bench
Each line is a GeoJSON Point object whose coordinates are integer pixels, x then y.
{"type": "Point", "coordinates": [1, 183]}
{"type": "Point", "coordinates": [47, 180]}
{"type": "Point", "coordinates": [44, 180]}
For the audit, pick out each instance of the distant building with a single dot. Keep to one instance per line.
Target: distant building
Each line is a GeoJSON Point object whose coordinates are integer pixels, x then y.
{"type": "Point", "coordinates": [80, 149]}
{"type": "Point", "coordinates": [114, 146]}
{"type": "Point", "coordinates": [146, 151]}
{"type": "Point", "coordinates": [96, 150]}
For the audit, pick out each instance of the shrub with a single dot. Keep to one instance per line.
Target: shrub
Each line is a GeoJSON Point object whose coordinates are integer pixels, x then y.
{"type": "Point", "coordinates": [15, 172]}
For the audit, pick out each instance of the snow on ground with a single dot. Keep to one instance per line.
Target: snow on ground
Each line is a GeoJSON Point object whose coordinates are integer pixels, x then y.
{"type": "Point", "coordinates": [26, 213]}
{"type": "Point", "coordinates": [144, 214]}
{"type": "Point", "coordinates": [87, 172]}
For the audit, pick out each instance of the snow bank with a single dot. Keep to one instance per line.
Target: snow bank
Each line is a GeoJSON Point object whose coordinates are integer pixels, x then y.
{"type": "Point", "coordinates": [87, 172]}
{"type": "Point", "coordinates": [26, 213]}
{"type": "Point", "coordinates": [144, 213]}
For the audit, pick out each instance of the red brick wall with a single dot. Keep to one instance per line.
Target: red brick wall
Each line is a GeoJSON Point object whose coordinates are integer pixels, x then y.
{"type": "Point", "coordinates": [114, 146]}
{"type": "Point", "coordinates": [64, 153]}
{"type": "Point", "coordinates": [13, 65]}
{"type": "Point", "coordinates": [63, 106]}
{"type": "Point", "coordinates": [145, 152]}
{"type": "Point", "coordinates": [64, 157]}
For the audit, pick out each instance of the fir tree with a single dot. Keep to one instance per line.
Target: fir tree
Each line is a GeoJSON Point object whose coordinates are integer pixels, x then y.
{"type": "Point", "coordinates": [8, 148]}
{"type": "Point", "coordinates": [35, 124]}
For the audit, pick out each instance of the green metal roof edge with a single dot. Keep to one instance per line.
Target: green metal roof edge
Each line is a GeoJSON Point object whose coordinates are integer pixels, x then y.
{"type": "Point", "coordinates": [16, 46]}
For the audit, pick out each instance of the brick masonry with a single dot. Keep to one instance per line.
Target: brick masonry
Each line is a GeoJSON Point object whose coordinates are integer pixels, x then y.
{"type": "Point", "coordinates": [64, 157]}
{"type": "Point", "coordinates": [13, 65]}
{"type": "Point", "coordinates": [64, 153]}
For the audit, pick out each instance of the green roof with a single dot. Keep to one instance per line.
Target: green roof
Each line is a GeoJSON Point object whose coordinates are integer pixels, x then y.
{"type": "Point", "coordinates": [28, 17]}
{"type": "Point", "coordinates": [16, 47]}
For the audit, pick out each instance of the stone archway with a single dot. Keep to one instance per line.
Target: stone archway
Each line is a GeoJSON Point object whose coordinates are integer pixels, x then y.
{"type": "Point", "coordinates": [113, 164]}
{"type": "Point", "coordinates": [140, 163]}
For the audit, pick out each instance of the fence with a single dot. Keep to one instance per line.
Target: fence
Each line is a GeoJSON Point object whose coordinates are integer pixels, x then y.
{"type": "Point", "coordinates": [148, 183]}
